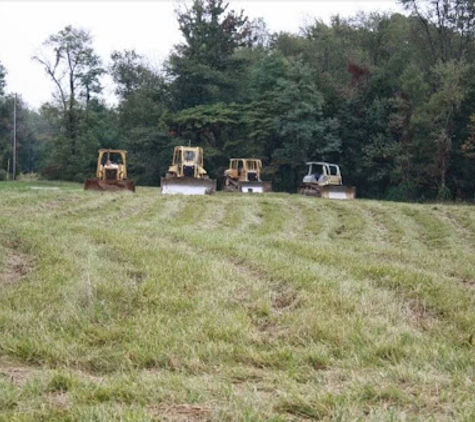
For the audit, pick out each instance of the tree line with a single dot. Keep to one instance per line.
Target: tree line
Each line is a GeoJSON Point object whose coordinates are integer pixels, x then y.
{"type": "Point", "coordinates": [388, 97]}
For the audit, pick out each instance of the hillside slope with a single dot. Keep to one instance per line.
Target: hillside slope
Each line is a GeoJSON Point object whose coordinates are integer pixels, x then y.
{"type": "Point", "coordinates": [231, 307]}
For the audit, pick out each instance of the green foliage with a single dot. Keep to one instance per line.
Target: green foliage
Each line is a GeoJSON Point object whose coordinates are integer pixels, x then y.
{"type": "Point", "coordinates": [213, 128]}
{"type": "Point", "coordinates": [405, 191]}
{"type": "Point", "coordinates": [3, 73]}
{"type": "Point", "coordinates": [210, 33]}
{"type": "Point", "coordinates": [202, 68]}
{"type": "Point", "coordinates": [434, 119]}
{"type": "Point", "coordinates": [448, 26]}
{"type": "Point", "coordinates": [139, 116]}
{"type": "Point", "coordinates": [72, 65]}
{"type": "Point", "coordinates": [204, 120]}
{"type": "Point", "coordinates": [444, 194]}
{"type": "Point", "coordinates": [75, 70]}
{"type": "Point", "coordinates": [287, 117]}
{"type": "Point", "coordinates": [97, 128]}
{"type": "Point", "coordinates": [29, 136]}
{"type": "Point", "coordinates": [130, 73]}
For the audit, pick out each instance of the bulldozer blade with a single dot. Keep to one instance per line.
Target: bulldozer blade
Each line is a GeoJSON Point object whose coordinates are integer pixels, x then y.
{"type": "Point", "coordinates": [187, 186]}
{"type": "Point", "coordinates": [255, 187]}
{"type": "Point", "coordinates": [109, 185]}
{"type": "Point", "coordinates": [338, 192]}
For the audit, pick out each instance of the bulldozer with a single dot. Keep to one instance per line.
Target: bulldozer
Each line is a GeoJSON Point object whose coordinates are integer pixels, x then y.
{"type": "Point", "coordinates": [187, 175]}
{"type": "Point", "coordinates": [111, 172]}
{"type": "Point", "coordinates": [324, 180]}
{"type": "Point", "coordinates": [244, 175]}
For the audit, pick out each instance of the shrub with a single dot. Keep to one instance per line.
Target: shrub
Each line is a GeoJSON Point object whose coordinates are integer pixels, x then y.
{"type": "Point", "coordinates": [444, 194]}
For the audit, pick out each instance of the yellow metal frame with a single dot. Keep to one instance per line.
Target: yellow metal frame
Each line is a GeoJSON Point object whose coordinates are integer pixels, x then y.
{"type": "Point", "coordinates": [102, 168]}
{"type": "Point", "coordinates": [240, 168]}
{"type": "Point", "coordinates": [187, 158]}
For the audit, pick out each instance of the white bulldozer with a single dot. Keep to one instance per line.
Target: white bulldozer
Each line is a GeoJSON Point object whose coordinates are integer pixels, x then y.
{"type": "Point", "coordinates": [324, 180]}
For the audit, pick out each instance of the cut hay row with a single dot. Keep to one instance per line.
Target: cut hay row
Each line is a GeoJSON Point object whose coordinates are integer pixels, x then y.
{"type": "Point", "coordinates": [137, 307]}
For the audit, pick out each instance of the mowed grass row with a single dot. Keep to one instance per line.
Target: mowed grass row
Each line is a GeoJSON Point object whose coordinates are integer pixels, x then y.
{"type": "Point", "coordinates": [136, 307]}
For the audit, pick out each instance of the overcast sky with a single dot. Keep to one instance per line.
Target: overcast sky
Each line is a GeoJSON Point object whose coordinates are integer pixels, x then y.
{"type": "Point", "coordinates": [150, 27]}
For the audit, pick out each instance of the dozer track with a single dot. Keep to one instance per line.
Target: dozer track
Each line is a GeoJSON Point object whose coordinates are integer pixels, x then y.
{"type": "Point", "coordinates": [230, 185]}
{"type": "Point", "coordinates": [328, 192]}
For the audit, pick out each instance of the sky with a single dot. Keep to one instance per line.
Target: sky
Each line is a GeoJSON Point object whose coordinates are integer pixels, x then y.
{"type": "Point", "coordinates": [148, 26]}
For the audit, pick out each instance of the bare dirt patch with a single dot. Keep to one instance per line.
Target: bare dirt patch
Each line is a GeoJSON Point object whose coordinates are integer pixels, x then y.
{"type": "Point", "coordinates": [418, 312]}
{"type": "Point", "coordinates": [59, 399]}
{"type": "Point", "coordinates": [17, 375]}
{"type": "Point", "coordinates": [467, 282]}
{"type": "Point", "coordinates": [17, 265]}
{"type": "Point", "coordinates": [284, 299]}
{"type": "Point", "coordinates": [181, 412]}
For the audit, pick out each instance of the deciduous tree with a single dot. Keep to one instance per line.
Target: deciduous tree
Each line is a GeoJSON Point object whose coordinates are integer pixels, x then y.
{"type": "Point", "coordinates": [74, 68]}
{"type": "Point", "coordinates": [449, 26]}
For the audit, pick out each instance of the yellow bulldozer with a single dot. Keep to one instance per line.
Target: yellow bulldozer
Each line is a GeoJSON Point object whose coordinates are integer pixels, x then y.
{"type": "Point", "coordinates": [324, 180]}
{"type": "Point", "coordinates": [187, 175]}
{"type": "Point", "coordinates": [111, 172]}
{"type": "Point", "coordinates": [244, 175]}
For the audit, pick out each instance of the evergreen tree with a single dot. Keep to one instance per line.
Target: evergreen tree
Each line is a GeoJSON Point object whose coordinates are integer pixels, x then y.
{"type": "Point", "coordinates": [203, 69]}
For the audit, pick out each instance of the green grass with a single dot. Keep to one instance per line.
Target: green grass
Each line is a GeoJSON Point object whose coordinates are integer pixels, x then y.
{"type": "Point", "coordinates": [275, 307]}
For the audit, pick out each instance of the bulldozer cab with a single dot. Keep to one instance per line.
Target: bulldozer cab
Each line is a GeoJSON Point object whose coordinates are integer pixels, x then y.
{"type": "Point", "coordinates": [187, 162]}
{"type": "Point", "coordinates": [111, 171]}
{"type": "Point", "coordinates": [244, 175]}
{"type": "Point", "coordinates": [246, 169]}
{"type": "Point", "coordinates": [111, 164]}
{"type": "Point", "coordinates": [324, 180]}
{"type": "Point", "coordinates": [323, 173]}
{"type": "Point", "coordinates": [187, 175]}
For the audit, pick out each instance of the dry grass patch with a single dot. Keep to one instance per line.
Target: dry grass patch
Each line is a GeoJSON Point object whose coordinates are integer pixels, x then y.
{"type": "Point", "coordinates": [15, 267]}
{"type": "Point", "coordinates": [181, 412]}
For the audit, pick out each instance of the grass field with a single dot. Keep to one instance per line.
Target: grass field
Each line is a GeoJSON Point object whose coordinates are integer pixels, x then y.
{"type": "Point", "coordinates": [275, 307]}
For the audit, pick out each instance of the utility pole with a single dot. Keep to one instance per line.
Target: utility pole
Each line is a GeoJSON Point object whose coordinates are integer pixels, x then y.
{"type": "Point", "coordinates": [14, 139]}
